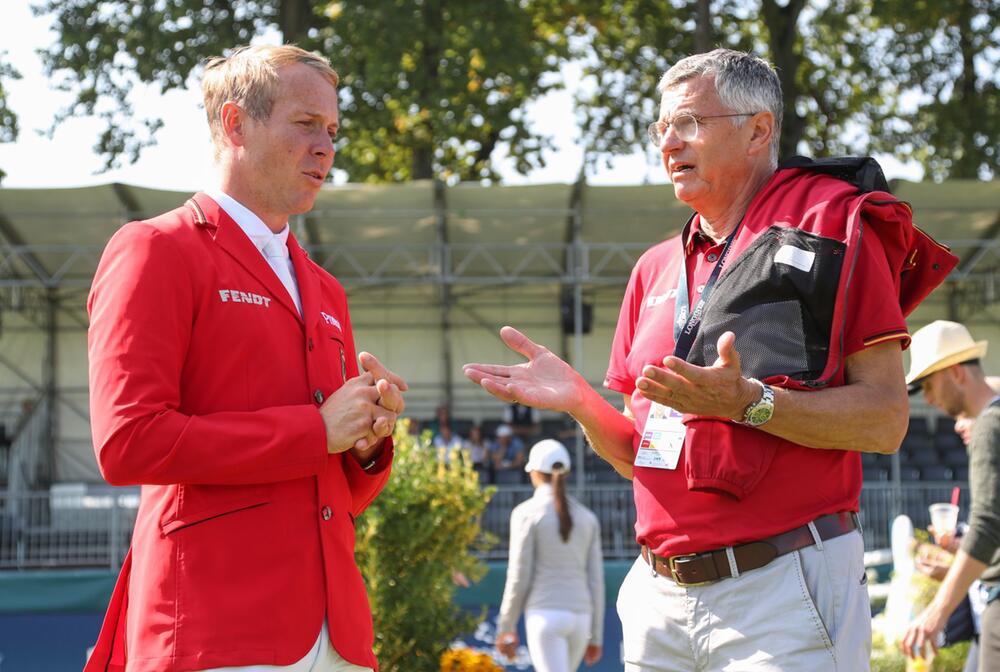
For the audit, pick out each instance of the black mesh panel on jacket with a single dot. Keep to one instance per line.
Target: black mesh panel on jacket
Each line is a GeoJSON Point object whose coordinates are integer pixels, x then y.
{"type": "Point", "coordinates": [782, 314]}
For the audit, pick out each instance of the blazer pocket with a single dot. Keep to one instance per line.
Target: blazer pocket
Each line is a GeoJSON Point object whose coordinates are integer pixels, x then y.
{"type": "Point", "coordinates": [217, 510]}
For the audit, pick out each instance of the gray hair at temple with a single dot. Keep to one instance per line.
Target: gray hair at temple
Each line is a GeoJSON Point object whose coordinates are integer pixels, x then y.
{"type": "Point", "coordinates": [744, 82]}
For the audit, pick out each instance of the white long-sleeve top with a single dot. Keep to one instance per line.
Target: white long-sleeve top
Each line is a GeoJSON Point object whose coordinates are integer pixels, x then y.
{"type": "Point", "coordinates": [546, 573]}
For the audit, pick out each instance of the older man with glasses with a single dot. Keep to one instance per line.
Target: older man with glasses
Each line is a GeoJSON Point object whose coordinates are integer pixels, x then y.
{"type": "Point", "coordinates": [758, 354]}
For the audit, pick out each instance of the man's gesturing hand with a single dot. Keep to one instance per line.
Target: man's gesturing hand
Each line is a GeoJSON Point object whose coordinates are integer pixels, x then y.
{"type": "Point", "coordinates": [544, 381]}
{"type": "Point", "coordinates": [718, 390]}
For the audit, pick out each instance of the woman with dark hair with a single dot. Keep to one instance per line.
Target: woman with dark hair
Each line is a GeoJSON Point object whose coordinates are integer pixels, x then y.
{"type": "Point", "coordinates": [556, 572]}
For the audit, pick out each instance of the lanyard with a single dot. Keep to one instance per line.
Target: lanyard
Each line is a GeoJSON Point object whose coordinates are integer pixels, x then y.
{"type": "Point", "coordinates": [687, 323]}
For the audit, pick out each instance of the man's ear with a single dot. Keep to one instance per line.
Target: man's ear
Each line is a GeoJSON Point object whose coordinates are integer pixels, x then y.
{"type": "Point", "coordinates": [762, 125]}
{"type": "Point", "coordinates": [958, 373]}
{"type": "Point", "coordinates": [233, 120]}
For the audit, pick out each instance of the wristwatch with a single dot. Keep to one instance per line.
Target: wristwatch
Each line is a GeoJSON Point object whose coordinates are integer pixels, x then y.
{"type": "Point", "coordinates": [760, 411]}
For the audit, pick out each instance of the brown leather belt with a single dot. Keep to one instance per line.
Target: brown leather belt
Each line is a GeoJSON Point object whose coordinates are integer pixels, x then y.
{"type": "Point", "coordinates": [700, 568]}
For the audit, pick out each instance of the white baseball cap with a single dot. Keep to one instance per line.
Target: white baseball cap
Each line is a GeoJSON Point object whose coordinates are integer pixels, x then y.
{"type": "Point", "coordinates": [939, 345]}
{"type": "Point", "coordinates": [545, 454]}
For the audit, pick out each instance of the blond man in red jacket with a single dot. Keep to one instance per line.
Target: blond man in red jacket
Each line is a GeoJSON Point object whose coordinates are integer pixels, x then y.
{"type": "Point", "coordinates": [224, 381]}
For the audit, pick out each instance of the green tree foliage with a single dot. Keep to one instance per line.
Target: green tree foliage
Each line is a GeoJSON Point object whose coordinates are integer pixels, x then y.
{"type": "Point", "coordinates": [817, 47]}
{"type": "Point", "coordinates": [8, 120]}
{"type": "Point", "coordinates": [411, 541]}
{"type": "Point", "coordinates": [430, 87]}
{"type": "Point", "coordinates": [433, 87]}
{"type": "Point", "coordinates": [913, 79]}
{"type": "Point", "coordinates": [447, 82]}
{"type": "Point", "coordinates": [945, 54]}
{"type": "Point", "coordinates": [105, 47]}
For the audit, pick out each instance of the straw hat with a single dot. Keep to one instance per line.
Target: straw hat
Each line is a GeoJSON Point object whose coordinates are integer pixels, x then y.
{"type": "Point", "coordinates": [545, 454]}
{"type": "Point", "coordinates": [939, 345]}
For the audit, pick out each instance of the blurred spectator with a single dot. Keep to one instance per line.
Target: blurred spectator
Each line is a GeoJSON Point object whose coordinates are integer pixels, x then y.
{"type": "Point", "coordinates": [442, 416]}
{"type": "Point", "coordinates": [963, 423]}
{"type": "Point", "coordinates": [479, 453]}
{"type": "Point", "coordinates": [556, 572]}
{"type": "Point", "coordinates": [523, 420]}
{"type": "Point", "coordinates": [508, 450]}
{"type": "Point", "coordinates": [448, 441]}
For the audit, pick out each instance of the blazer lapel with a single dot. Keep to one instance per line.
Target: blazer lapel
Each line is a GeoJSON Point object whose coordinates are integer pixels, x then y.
{"type": "Point", "coordinates": [305, 275]}
{"type": "Point", "coordinates": [231, 238]}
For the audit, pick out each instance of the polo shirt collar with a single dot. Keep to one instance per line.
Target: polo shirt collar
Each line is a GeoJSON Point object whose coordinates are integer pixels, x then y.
{"type": "Point", "coordinates": [695, 235]}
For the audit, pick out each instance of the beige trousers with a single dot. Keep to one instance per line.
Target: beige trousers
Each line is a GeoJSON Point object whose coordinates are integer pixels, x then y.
{"type": "Point", "coordinates": [322, 657]}
{"type": "Point", "coordinates": [807, 611]}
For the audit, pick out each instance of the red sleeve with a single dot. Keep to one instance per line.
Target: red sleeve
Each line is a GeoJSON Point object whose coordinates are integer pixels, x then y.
{"type": "Point", "coordinates": [142, 309]}
{"type": "Point", "coordinates": [618, 377]}
{"type": "Point", "coordinates": [873, 312]}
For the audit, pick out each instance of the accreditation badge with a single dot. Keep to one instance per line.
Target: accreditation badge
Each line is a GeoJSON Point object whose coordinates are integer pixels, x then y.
{"type": "Point", "coordinates": [662, 438]}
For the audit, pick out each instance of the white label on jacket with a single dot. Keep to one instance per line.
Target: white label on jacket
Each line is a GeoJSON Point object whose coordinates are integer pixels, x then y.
{"type": "Point", "coordinates": [794, 256]}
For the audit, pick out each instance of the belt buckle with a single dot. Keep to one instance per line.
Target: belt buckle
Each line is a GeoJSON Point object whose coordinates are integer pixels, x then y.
{"type": "Point", "coordinates": [672, 565]}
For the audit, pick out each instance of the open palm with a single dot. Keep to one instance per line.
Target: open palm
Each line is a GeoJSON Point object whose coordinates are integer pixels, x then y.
{"type": "Point", "coordinates": [544, 381]}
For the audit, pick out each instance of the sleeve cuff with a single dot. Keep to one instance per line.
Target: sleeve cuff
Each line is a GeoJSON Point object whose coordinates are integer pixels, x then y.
{"type": "Point", "coordinates": [378, 462]}
{"type": "Point", "coordinates": [623, 385]}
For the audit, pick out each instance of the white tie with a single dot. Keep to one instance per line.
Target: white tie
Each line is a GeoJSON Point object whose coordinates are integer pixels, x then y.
{"type": "Point", "coordinates": [277, 256]}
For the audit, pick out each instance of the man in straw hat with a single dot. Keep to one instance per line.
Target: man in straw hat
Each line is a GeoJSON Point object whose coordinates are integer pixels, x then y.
{"type": "Point", "coordinates": [945, 364]}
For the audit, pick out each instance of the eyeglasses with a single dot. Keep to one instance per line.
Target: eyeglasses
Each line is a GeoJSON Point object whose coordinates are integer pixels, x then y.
{"type": "Point", "coordinates": [685, 126]}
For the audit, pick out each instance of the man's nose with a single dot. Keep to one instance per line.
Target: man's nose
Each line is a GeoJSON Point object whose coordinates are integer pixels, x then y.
{"type": "Point", "coordinates": [324, 146]}
{"type": "Point", "coordinates": [669, 140]}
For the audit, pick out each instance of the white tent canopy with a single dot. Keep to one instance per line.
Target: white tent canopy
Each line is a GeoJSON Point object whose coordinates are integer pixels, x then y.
{"type": "Point", "coordinates": [432, 272]}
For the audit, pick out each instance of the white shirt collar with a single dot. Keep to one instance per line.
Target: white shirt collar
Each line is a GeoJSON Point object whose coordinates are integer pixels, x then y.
{"type": "Point", "coordinates": [251, 224]}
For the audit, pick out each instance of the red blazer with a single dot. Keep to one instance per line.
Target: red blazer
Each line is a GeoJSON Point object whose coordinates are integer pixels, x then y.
{"type": "Point", "coordinates": [204, 389]}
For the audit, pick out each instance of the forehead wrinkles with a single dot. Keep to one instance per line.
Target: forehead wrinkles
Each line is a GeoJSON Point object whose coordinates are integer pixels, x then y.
{"type": "Point", "coordinates": [691, 96]}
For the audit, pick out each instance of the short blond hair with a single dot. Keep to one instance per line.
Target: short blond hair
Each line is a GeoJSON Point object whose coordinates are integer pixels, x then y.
{"type": "Point", "coordinates": [249, 78]}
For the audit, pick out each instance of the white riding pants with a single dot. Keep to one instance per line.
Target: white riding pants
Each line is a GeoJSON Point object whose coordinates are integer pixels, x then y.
{"type": "Point", "coordinates": [557, 639]}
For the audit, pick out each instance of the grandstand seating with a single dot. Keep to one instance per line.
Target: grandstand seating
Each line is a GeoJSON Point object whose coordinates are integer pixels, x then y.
{"type": "Point", "coordinates": [931, 451]}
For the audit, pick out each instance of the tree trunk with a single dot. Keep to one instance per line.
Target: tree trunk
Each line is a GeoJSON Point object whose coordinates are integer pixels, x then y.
{"type": "Point", "coordinates": [967, 165]}
{"type": "Point", "coordinates": [294, 19]}
{"type": "Point", "coordinates": [783, 34]}
{"type": "Point", "coordinates": [422, 167]}
{"type": "Point", "coordinates": [423, 163]}
{"type": "Point", "coordinates": [704, 37]}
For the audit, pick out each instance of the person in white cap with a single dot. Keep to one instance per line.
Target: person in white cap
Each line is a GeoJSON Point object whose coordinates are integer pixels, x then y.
{"type": "Point", "coordinates": [945, 364]}
{"type": "Point", "coordinates": [556, 571]}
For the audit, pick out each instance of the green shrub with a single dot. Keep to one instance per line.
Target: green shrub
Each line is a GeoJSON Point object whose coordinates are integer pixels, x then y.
{"type": "Point", "coordinates": [888, 658]}
{"type": "Point", "coordinates": [413, 539]}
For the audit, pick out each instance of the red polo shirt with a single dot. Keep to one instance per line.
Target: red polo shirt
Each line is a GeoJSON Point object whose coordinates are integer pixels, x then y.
{"type": "Point", "coordinates": [800, 483]}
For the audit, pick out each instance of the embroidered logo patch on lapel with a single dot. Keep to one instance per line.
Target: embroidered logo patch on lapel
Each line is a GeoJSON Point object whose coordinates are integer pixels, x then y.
{"type": "Point", "coordinates": [330, 319]}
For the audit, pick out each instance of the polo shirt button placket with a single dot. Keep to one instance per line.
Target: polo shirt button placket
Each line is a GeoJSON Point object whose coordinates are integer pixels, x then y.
{"type": "Point", "coordinates": [326, 512]}
{"type": "Point", "coordinates": [318, 396]}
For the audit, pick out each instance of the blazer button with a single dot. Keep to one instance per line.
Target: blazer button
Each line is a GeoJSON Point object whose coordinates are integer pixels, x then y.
{"type": "Point", "coordinates": [318, 396]}
{"type": "Point", "coordinates": [326, 513]}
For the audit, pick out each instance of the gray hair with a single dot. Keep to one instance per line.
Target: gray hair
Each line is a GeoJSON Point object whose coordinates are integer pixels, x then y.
{"type": "Point", "coordinates": [744, 82]}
